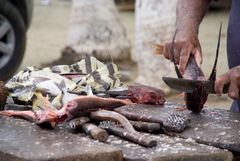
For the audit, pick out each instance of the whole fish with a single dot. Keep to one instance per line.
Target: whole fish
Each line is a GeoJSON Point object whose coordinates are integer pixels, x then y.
{"type": "Point", "coordinates": [84, 105]}
{"type": "Point", "coordinates": [196, 100]}
{"type": "Point", "coordinates": [80, 106]}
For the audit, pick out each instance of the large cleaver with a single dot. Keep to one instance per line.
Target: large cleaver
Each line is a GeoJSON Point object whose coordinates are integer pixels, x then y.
{"type": "Point", "coordinates": [187, 85]}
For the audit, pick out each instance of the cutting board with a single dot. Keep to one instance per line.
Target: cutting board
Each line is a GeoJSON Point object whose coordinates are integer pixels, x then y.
{"type": "Point", "coordinates": [216, 127]}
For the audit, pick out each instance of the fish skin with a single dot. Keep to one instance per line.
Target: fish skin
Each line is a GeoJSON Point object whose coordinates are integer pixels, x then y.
{"type": "Point", "coordinates": [142, 94]}
{"type": "Point", "coordinates": [83, 105]}
{"type": "Point", "coordinates": [195, 100]}
{"type": "Point", "coordinates": [80, 106]}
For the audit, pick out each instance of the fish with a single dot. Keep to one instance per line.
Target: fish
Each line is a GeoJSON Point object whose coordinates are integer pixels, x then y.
{"type": "Point", "coordinates": [84, 105]}
{"type": "Point", "coordinates": [195, 101]}
{"type": "Point", "coordinates": [80, 106]}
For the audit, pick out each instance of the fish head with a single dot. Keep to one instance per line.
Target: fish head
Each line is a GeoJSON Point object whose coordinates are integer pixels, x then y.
{"type": "Point", "coordinates": [195, 101]}
{"type": "Point", "coordinates": [71, 105]}
{"type": "Point", "coordinates": [69, 109]}
{"type": "Point", "coordinates": [47, 116]}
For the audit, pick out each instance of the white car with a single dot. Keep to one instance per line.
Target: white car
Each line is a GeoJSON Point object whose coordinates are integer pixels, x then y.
{"type": "Point", "coordinates": [15, 18]}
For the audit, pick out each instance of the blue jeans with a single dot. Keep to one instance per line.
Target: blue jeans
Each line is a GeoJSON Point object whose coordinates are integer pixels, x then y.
{"type": "Point", "coordinates": [233, 43]}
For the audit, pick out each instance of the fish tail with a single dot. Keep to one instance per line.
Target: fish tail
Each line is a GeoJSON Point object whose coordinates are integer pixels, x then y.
{"type": "Point", "coordinates": [214, 70]}
{"type": "Point", "coordinates": [127, 102]}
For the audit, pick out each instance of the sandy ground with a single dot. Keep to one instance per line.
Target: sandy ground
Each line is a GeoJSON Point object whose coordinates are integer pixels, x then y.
{"type": "Point", "coordinates": [48, 34]}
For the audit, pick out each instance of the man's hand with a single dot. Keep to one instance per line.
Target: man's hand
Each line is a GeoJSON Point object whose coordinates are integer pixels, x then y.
{"type": "Point", "coordinates": [189, 16]}
{"type": "Point", "coordinates": [232, 77]}
{"type": "Point", "coordinates": [184, 45]}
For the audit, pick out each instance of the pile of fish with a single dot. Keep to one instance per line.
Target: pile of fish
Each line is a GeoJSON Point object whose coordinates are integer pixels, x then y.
{"type": "Point", "coordinates": [83, 94]}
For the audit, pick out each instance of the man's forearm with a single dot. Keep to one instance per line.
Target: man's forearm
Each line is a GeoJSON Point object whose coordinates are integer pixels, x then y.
{"type": "Point", "coordinates": [190, 14]}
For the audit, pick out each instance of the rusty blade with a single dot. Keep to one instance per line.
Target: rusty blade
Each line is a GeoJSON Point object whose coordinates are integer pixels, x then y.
{"type": "Point", "coordinates": [187, 85]}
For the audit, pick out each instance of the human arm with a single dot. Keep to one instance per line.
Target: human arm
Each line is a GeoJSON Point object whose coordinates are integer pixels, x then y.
{"type": "Point", "coordinates": [189, 16]}
{"type": "Point", "coordinates": [233, 78]}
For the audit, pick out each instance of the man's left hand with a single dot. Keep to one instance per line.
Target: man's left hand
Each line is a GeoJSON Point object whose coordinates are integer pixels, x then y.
{"type": "Point", "coordinates": [233, 78]}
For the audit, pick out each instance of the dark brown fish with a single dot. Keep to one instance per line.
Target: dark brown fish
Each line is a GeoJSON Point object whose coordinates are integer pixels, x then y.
{"type": "Point", "coordinates": [196, 100]}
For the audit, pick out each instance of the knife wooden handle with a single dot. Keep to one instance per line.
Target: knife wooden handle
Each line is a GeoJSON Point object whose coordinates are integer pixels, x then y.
{"type": "Point", "coordinates": [225, 88]}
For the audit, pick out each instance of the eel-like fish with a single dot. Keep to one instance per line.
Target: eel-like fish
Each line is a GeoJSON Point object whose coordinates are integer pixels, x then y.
{"type": "Point", "coordinates": [83, 105]}
{"type": "Point", "coordinates": [80, 106]}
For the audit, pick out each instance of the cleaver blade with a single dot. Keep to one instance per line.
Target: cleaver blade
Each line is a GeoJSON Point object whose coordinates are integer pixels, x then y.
{"type": "Point", "coordinates": [187, 85]}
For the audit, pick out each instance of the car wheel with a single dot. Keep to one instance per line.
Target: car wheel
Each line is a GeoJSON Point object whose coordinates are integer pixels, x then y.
{"type": "Point", "coordinates": [12, 39]}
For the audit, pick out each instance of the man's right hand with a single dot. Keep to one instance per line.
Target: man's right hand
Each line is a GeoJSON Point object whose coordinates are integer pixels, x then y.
{"type": "Point", "coordinates": [189, 16]}
{"type": "Point", "coordinates": [185, 44]}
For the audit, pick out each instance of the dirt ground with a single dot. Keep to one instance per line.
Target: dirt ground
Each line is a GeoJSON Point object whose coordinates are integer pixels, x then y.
{"type": "Point", "coordinates": [48, 35]}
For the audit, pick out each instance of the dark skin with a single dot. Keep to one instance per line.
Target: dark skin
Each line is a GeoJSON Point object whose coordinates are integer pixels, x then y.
{"type": "Point", "coordinates": [189, 16]}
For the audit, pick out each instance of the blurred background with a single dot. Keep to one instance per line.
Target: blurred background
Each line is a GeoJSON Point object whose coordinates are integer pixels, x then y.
{"type": "Point", "coordinates": [48, 35]}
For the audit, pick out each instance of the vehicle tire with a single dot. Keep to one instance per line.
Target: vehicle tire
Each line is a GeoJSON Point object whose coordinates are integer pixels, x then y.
{"type": "Point", "coordinates": [12, 39]}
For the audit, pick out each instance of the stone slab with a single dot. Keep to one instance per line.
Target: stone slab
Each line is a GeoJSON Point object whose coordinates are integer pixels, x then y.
{"type": "Point", "coordinates": [170, 149]}
{"type": "Point", "coordinates": [23, 141]}
{"type": "Point", "coordinates": [216, 127]}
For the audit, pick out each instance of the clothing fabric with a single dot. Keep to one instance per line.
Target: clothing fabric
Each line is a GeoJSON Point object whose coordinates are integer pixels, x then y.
{"type": "Point", "coordinates": [233, 43]}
